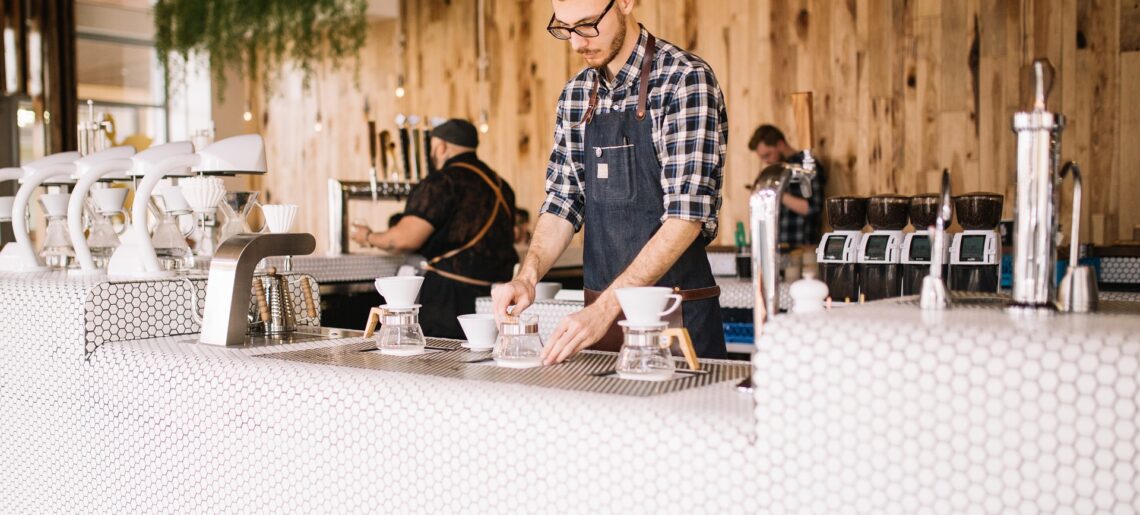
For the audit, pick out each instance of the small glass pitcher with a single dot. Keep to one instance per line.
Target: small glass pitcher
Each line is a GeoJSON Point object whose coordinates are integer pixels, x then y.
{"type": "Point", "coordinates": [645, 352]}
{"type": "Point", "coordinates": [400, 332]}
{"type": "Point", "coordinates": [518, 344]}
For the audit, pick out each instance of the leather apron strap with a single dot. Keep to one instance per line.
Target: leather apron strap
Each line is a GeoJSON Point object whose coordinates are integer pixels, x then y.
{"type": "Point", "coordinates": [500, 204]}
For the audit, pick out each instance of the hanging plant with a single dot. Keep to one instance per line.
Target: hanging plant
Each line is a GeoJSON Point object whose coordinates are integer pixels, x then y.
{"type": "Point", "coordinates": [258, 36]}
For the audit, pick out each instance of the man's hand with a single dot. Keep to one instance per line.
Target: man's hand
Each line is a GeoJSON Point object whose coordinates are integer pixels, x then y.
{"type": "Point", "coordinates": [580, 330]}
{"type": "Point", "coordinates": [360, 233]}
{"type": "Point", "coordinates": [518, 293]}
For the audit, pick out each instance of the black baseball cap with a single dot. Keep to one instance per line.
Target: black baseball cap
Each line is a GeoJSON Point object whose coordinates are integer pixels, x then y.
{"type": "Point", "coordinates": [457, 132]}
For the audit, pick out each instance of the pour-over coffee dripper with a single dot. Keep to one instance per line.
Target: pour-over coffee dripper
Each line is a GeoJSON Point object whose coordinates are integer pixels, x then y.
{"type": "Point", "coordinates": [56, 250]}
{"type": "Point", "coordinates": [400, 332]}
{"type": "Point", "coordinates": [645, 354]}
{"type": "Point", "coordinates": [204, 194]}
{"type": "Point", "coordinates": [279, 218]}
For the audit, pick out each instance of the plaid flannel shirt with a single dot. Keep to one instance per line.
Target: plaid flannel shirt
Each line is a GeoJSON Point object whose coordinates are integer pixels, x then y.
{"type": "Point", "coordinates": [690, 132]}
{"type": "Point", "coordinates": [797, 230]}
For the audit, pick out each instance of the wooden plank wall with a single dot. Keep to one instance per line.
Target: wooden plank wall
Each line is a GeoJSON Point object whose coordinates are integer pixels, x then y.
{"type": "Point", "coordinates": [903, 89]}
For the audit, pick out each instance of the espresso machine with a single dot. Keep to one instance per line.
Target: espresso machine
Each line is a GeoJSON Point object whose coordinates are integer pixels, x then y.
{"type": "Point", "coordinates": [975, 253]}
{"type": "Point", "coordinates": [917, 246]}
{"type": "Point", "coordinates": [880, 251]}
{"type": "Point", "coordinates": [838, 251]}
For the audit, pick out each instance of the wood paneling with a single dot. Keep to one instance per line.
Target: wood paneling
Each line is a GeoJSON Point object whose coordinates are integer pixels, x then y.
{"type": "Point", "coordinates": [902, 88]}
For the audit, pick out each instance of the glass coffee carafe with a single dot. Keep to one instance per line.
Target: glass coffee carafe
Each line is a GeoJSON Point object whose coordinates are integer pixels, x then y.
{"type": "Point", "coordinates": [645, 353]}
{"type": "Point", "coordinates": [518, 344]}
{"type": "Point", "coordinates": [57, 251]}
{"type": "Point", "coordinates": [235, 207]}
{"type": "Point", "coordinates": [400, 332]}
{"type": "Point", "coordinates": [169, 236]}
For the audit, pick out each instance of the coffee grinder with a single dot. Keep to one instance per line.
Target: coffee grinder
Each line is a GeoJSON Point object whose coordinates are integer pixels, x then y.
{"type": "Point", "coordinates": [975, 253]}
{"type": "Point", "coordinates": [880, 254]}
{"type": "Point", "coordinates": [838, 251]}
{"type": "Point", "coordinates": [916, 249]}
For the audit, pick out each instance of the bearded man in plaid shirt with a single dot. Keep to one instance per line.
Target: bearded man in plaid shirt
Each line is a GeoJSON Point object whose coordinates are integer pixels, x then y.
{"type": "Point", "coordinates": [639, 150]}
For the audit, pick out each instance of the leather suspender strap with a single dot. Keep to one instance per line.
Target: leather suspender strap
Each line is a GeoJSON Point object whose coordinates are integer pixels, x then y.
{"type": "Point", "coordinates": [646, 68]}
{"type": "Point", "coordinates": [500, 203]}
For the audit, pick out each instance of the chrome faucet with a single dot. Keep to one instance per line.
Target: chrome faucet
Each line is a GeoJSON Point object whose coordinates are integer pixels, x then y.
{"type": "Point", "coordinates": [1038, 155]}
{"type": "Point", "coordinates": [764, 219]}
{"type": "Point", "coordinates": [934, 294]}
{"type": "Point", "coordinates": [231, 277]}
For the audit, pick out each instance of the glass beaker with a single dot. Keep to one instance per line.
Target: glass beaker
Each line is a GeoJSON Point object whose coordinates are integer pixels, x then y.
{"type": "Point", "coordinates": [645, 352]}
{"type": "Point", "coordinates": [518, 345]}
{"type": "Point", "coordinates": [170, 241]}
{"type": "Point", "coordinates": [103, 237]}
{"type": "Point", "coordinates": [400, 332]}
{"type": "Point", "coordinates": [57, 250]}
{"type": "Point", "coordinates": [236, 206]}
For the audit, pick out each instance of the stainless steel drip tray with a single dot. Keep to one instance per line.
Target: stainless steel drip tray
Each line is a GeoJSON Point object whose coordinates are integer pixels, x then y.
{"type": "Point", "coordinates": [588, 371]}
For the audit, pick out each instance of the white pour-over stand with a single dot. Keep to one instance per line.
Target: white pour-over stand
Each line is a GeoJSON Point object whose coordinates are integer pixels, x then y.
{"type": "Point", "coordinates": [243, 154]}
{"type": "Point", "coordinates": [20, 256]}
{"type": "Point", "coordinates": [115, 161]}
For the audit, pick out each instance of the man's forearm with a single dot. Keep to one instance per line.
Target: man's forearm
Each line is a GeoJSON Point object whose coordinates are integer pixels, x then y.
{"type": "Point", "coordinates": [552, 235]}
{"type": "Point", "coordinates": [798, 205]}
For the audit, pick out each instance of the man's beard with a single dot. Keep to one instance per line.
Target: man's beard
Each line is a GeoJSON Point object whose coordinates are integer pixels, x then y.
{"type": "Point", "coordinates": [617, 42]}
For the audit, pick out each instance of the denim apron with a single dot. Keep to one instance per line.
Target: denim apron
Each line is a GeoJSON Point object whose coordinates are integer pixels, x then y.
{"type": "Point", "coordinates": [624, 205]}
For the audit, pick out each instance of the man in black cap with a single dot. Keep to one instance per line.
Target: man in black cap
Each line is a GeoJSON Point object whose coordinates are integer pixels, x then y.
{"type": "Point", "coordinates": [461, 219]}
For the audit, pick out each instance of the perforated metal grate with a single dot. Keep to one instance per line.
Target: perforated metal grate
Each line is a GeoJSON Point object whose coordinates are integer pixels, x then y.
{"type": "Point", "coordinates": [585, 372]}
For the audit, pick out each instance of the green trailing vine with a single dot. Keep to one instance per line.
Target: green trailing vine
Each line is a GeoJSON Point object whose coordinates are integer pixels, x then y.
{"type": "Point", "coordinates": [258, 36]}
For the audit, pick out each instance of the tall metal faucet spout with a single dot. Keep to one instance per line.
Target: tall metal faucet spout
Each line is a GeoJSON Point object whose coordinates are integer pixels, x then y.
{"type": "Point", "coordinates": [764, 222]}
{"type": "Point", "coordinates": [231, 277]}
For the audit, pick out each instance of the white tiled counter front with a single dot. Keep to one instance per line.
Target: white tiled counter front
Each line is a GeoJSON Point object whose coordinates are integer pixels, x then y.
{"type": "Point", "coordinates": [869, 409]}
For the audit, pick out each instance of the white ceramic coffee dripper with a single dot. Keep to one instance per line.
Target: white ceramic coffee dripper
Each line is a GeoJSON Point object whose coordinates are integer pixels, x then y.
{"type": "Point", "coordinates": [481, 331]}
{"type": "Point", "coordinates": [546, 290]}
{"type": "Point", "coordinates": [279, 218]}
{"type": "Point", "coordinates": [204, 193]}
{"type": "Point", "coordinates": [399, 292]}
{"type": "Point", "coordinates": [647, 304]}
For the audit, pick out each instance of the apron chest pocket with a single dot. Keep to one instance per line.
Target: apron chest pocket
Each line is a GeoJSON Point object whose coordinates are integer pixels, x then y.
{"type": "Point", "coordinates": [612, 176]}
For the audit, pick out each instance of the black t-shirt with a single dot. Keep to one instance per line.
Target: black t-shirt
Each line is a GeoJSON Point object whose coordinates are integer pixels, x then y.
{"type": "Point", "coordinates": [457, 203]}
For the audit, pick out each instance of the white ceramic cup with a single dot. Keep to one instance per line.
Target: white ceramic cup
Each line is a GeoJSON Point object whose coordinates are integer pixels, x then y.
{"type": "Point", "coordinates": [546, 291]}
{"type": "Point", "coordinates": [279, 217]}
{"type": "Point", "coordinates": [55, 204]}
{"type": "Point", "coordinates": [6, 207]}
{"type": "Point", "coordinates": [399, 292]}
{"type": "Point", "coordinates": [481, 330]}
{"type": "Point", "coordinates": [647, 304]}
{"type": "Point", "coordinates": [109, 200]}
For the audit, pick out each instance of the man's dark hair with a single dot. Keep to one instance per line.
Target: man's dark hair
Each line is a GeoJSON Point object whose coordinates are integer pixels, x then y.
{"type": "Point", "coordinates": [766, 134]}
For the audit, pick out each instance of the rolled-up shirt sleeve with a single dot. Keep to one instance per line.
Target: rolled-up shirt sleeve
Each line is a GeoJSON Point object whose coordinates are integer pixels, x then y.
{"type": "Point", "coordinates": [694, 134]}
{"type": "Point", "coordinates": [564, 195]}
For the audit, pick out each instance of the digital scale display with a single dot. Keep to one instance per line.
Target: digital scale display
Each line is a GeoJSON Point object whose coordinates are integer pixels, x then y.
{"type": "Point", "coordinates": [972, 249]}
{"type": "Point", "coordinates": [833, 250]}
{"type": "Point", "coordinates": [876, 249]}
{"type": "Point", "coordinates": [920, 248]}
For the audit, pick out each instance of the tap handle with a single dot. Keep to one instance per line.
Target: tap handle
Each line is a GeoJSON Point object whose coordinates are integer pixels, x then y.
{"type": "Point", "coordinates": [372, 142]}
{"type": "Point", "coordinates": [1041, 75]}
{"type": "Point", "coordinates": [801, 111]}
{"type": "Point", "coordinates": [1075, 230]}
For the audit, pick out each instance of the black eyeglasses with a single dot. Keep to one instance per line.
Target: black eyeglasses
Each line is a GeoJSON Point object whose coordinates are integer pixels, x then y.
{"type": "Point", "coordinates": [586, 30]}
